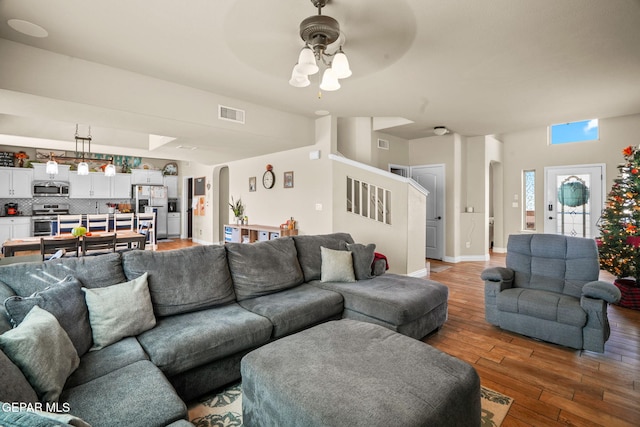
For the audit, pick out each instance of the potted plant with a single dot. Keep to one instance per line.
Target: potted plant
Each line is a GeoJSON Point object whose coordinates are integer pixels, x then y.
{"type": "Point", "coordinates": [238, 209]}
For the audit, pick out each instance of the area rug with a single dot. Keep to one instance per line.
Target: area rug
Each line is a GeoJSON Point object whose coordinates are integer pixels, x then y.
{"type": "Point", "coordinates": [440, 268]}
{"type": "Point", "coordinates": [224, 409]}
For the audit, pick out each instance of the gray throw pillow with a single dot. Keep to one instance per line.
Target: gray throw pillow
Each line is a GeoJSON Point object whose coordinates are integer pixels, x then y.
{"type": "Point", "coordinates": [362, 258]}
{"type": "Point", "coordinates": [337, 266]}
{"type": "Point", "coordinates": [119, 311]}
{"type": "Point", "coordinates": [65, 301]}
{"type": "Point", "coordinates": [43, 352]}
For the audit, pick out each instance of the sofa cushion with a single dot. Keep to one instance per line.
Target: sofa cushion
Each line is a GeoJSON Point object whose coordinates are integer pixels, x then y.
{"type": "Point", "coordinates": [294, 309]}
{"type": "Point", "coordinates": [543, 305]}
{"type": "Point", "coordinates": [183, 280]}
{"type": "Point", "coordinates": [39, 419]}
{"type": "Point", "coordinates": [309, 255]}
{"type": "Point", "coordinates": [15, 387]}
{"type": "Point", "coordinates": [137, 395]}
{"type": "Point", "coordinates": [66, 302]}
{"type": "Point", "coordinates": [363, 256]}
{"type": "Point", "coordinates": [43, 352]}
{"type": "Point", "coordinates": [93, 272]}
{"type": "Point", "coordinates": [263, 268]}
{"type": "Point", "coordinates": [392, 298]}
{"type": "Point", "coordinates": [184, 341]}
{"type": "Point", "coordinates": [95, 364]}
{"type": "Point", "coordinates": [337, 266]}
{"type": "Point", "coordinates": [119, 311]}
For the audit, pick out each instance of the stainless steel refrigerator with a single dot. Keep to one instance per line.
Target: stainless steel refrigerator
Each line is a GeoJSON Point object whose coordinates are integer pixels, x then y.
{"type": "Point", "coordinates": [153, 198]}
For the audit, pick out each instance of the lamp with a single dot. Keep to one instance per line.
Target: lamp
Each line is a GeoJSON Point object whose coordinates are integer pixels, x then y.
{"type": "Point", "coordinates": [83, 166]}
{"type": "Point", "coordinates": [110, 169]}
{"type": "Point", "coordinates": [318, 32]}
{"type": "Point", "coordinates": [52, 166]}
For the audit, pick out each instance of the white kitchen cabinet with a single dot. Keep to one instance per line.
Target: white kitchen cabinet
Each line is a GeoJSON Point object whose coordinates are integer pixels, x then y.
{"type": "Point", "coordinates": [146, 177]}
{"type": "Point", "coordinates": [93, 186]}
{"type": "Point", "coordinates": [40, 174]}
{"type": "Point", "coordinates": [14, 227]}
{"type": "Point", "coordinates": [16, 183]}
{"type": "Point", "coordinates": [173, 224]}
{"type": "Point", "coordinates": [171, 182]}
{"type": "Point", "coordinates": [121, 186]}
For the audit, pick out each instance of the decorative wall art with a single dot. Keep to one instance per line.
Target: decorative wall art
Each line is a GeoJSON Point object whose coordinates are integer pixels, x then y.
{"type": "Point", "coordinates": [252, 184]}
{"type": "Point", "coordinates": [288, 179]}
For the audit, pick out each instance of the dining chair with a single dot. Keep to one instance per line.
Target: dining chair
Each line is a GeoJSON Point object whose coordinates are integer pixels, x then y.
{"type": "Point", "coordinates": [123, 222]}
{"type": "Point", "coordinates": [49, 246]}
{"type": "Point", "coordinates": [66, 223]}
{"type": "Point", "coordinates": [98, 244]}
{"type": "Point", "coordinates": [97, 222]}
{"type": "Point", "coordinates": [146, 225]}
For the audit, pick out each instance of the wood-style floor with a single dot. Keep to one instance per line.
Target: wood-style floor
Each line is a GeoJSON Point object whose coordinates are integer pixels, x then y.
{"type": "Point", "coordinates": [551, 385]}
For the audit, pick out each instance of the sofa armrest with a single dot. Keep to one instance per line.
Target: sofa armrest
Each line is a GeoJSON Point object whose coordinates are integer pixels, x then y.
{"type": "Point", "coordinates": [379, 267]}
{"type": "Point", "coordinates": [602, 290]}
{"type": "Point", "coordinates": [497, 274]}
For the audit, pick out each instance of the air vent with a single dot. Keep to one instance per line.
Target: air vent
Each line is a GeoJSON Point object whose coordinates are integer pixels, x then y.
{"type": "Point", "coordinates": [230, 114]}
{"type": "Point", "coordinates": [383, 144]}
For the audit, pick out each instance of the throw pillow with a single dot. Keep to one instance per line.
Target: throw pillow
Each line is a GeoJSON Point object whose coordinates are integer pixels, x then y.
{"type": "Point", "coordinates": [337, 266]}
{"type": "Point", "coordinates": [65, 301]}
{"type": "Point", "coordinates": [119, 311]}
{"type": "Point", "coordinates": [43, 351]}
{"type": "Point", "coordinates": [362, 258]}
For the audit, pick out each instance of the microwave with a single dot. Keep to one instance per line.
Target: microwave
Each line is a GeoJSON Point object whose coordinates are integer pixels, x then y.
{"type": "Point", "coordinates": [50, 189]}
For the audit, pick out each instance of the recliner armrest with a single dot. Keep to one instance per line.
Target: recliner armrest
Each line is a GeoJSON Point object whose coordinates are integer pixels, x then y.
{"type": "Point", "coordinates": [602, 290]}
{"type": "Point", "coordinates": [497, 274]}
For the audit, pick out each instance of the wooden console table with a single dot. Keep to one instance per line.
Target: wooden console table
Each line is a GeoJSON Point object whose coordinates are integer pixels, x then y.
{"type": "Point", "coordinates": [249, 233]}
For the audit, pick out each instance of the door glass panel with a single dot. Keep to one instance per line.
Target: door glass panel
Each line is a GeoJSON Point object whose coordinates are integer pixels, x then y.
{"type": "Point", "coordinates": [529, 200]}
{"type": "Point", "coordinates": [574, 215]}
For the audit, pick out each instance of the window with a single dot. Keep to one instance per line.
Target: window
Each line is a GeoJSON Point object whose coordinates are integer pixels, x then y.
{"type": "Point", "coordinates": [586, 130]}
{"type": "Point", "coordinates": [529, 205]}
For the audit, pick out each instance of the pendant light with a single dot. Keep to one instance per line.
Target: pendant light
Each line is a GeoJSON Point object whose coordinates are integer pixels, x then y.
{"type": "Point", "coordinates": [52, 166]}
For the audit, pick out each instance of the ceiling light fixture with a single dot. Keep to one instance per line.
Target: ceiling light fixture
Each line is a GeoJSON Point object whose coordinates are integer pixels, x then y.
{"type": "Point", "coordinates": [83, 166]}
{"type": "Point", "coordinates": [440, 130]}
{"type": "Point", "coordinates": [318, 32]}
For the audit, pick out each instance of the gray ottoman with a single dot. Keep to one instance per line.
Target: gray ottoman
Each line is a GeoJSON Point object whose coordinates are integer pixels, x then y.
{"type": "Point", "coordinates": [350, 373]}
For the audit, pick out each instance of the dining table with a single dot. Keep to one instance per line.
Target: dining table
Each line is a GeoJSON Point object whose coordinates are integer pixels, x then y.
{"type": "Point", "coordinates": [11, 246]}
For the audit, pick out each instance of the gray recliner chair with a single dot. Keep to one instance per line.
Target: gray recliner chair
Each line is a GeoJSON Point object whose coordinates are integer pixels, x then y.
{"type": "Point", "coordinates": [550, 290]}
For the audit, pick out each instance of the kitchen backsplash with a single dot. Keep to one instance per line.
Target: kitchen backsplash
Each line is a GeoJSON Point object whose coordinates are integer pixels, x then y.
{"type": "Point", "coordinates": [76, 206]}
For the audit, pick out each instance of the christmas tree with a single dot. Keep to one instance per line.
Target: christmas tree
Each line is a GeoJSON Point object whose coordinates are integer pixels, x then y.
{"type": "Point", "coordinates": [619, 244]}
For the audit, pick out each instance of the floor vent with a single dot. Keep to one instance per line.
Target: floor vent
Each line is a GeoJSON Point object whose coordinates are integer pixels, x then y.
{"type": "Point", "coordinates": [230, 114]}
{"type": "Point", "coordinates": [383, 144]}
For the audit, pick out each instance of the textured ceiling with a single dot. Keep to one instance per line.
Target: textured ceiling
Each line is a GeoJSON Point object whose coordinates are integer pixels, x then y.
{"type": "Point", "coordinates": [477, 67]}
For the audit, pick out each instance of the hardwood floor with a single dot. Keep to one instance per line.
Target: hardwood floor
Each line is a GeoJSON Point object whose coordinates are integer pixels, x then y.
{"type": "Point", "coordinates": [551, 385]}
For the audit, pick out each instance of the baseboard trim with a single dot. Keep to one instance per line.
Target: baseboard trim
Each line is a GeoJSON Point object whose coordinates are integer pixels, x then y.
{"type": "Point", "coordinates": [466, 258]}
{"type": "Point", "coordinates": [500, 250]}
{"type": "Point", "coordinates": [418, 273]}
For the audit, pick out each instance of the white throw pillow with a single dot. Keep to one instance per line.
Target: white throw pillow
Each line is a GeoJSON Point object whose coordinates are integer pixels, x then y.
{"type": "Point", "coordinates": [43, 351]}
{"type": "Point", "coordinates": [337, 266]}
{"type": "Point", "coordinates": [119, 311]}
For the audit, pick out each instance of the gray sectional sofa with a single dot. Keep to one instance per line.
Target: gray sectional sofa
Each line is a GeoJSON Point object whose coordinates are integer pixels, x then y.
{"type": "Point", "coordinates": [167, 327]}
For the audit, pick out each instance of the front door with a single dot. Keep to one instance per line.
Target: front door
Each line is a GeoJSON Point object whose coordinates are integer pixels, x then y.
{"type": "Point", "coordinates": [432, 178]}
{"type": "Point", "coordinates": [573, 200]}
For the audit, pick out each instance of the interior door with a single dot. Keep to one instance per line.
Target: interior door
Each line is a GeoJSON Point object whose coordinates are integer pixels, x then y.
{"type": "Point", "coordinates": [574, 199]}
{"type": "Point", "coordinates": [432, 178]}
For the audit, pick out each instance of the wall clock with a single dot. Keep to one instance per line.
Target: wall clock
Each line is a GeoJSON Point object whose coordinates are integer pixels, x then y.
{"type": "Point", "coordinates": [268, 179]}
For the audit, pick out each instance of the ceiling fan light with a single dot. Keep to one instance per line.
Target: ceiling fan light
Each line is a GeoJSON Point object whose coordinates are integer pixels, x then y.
{"type": "Point", "coordinates": [110, 170]}
{"type": "Point", "coordinates": [306, 62]}
{"type": "Point", "coordinates": [340, 65]}
{"type": "Point", "coordinates": [329, 81]}
{"type": "Point", "coordinates": [83, 168]}
{"type": "Point", "coordinates": [299, 80]}
{"type": "Point", "coordinates": [52, 167]}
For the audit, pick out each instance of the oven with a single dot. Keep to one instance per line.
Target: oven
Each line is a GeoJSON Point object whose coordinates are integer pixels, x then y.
{"type": "Point", "coordinates": [41, 224]}
{"type": "Point", "coordinates": [44, 214]}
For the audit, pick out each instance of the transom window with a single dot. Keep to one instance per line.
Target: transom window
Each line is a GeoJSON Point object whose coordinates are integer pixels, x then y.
{"type": "Point", "coordinates": [585, 130]}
